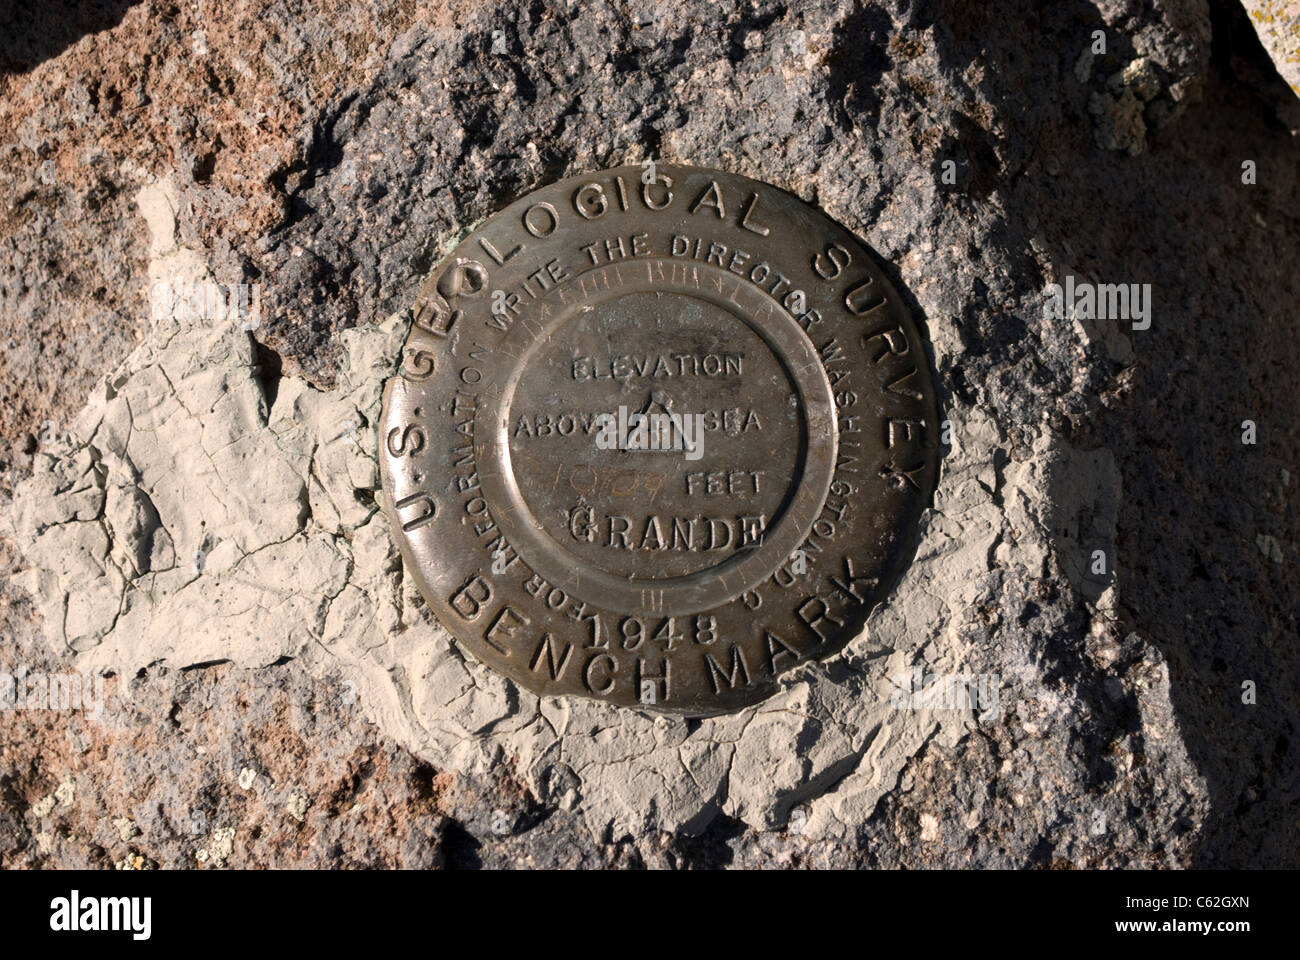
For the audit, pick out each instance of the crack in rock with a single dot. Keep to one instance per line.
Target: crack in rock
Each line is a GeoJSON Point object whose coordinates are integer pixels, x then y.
{"type": "Point", "coordinates": [189, 519]}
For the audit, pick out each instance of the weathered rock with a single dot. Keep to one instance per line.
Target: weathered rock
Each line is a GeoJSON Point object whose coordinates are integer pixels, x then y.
{"type": "Point", "coordinates": [1119, 736]}
{"type": "Point", "coordinates": [1278, 24]}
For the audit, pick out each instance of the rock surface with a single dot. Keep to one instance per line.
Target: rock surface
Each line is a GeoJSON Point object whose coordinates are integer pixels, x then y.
{"type": "Point", "coordinates": [193, 505]}
{"type": "Point", "coordinates": [1278, 24]}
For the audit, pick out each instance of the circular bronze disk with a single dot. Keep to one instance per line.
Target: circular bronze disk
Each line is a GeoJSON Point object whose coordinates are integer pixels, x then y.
{"type": "Point", "coordinates": [659, 435]}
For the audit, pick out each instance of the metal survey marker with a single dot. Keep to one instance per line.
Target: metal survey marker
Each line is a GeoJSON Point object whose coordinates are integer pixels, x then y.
{"type": "Point", "coordinates": [660, 433]}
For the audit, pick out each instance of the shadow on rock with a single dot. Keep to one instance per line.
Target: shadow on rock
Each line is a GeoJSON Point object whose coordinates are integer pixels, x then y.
{"type": "Point", "coordinates": [1204, 552]}
{"type": "Point", "coordinates": [33, 32]}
